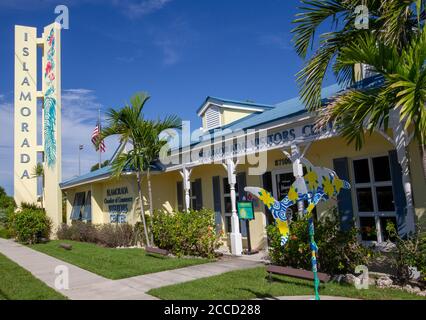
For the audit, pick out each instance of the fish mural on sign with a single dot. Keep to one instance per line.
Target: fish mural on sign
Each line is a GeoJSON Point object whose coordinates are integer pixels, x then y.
{"type": "Point", "coordinates": [50, 102]}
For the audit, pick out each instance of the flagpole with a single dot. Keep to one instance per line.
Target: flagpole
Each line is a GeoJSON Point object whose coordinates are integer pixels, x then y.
{"type": "Point", "coordinates": [99, 128]}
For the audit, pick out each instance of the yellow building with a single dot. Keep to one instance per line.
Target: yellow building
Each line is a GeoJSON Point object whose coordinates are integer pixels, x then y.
{"type": "Point", "coordinates": [247, 144]}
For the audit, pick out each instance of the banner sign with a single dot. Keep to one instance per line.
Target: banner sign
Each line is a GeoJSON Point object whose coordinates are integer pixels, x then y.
{"type": "Point", "coordinates": [245, 210]}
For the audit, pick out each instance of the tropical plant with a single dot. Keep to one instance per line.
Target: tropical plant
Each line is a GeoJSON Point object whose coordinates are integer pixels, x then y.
{"type": "Point", "coordinates": [392, 21]}
{"type": "Point", "coordinates": [394, 29]}
{"type": "Point", "coordinates": [403, 88]}
{"type": "Point", "coordinates": [96, 166]}
{"type": "Point", "coordinates": [339, 252]}
{"type": "Point", "coordinates": [152, 147]}
{"type": "Point", "coordinates": [409, 253]}
{"type": "Point", "coordinates": [38, 172]}
{"type": "Point", "coordinates": [128, 123]}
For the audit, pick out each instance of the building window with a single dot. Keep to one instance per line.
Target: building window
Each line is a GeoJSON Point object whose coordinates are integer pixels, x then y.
{"type": "Point", "coordinates": [78, 206]}
{"type": "Point", "coordinates": [374, 200]}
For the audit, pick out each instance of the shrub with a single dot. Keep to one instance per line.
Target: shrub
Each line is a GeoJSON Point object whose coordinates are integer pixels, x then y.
{"type": "Point", "coordinates": [338, 252]}
{"type": "Point", "coordinates": [108, 235]}
{"type": "Point", "coordinates": [28, 205]}
{"type": "Point", "coordinates": [78, 231]}
{"type": "Point", "coordinates": [112, 236]}
{"type": "Point", "coordinates": [5, 233]}
{"type": "Point", "coordinates": [186, 233]}
{"type": "Point", "coordinates": [409, 252]}
{"type": "Point", "coordinates": [30, 225]}
{"type": "Point", "coordinates": [7, 208]}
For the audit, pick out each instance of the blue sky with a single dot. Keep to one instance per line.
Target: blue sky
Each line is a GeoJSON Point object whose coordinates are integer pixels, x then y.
{"type": "Point", "coordinates": [180, 51]}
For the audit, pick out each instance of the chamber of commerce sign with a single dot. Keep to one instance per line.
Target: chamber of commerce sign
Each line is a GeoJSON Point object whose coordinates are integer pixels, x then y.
{"type": "Point", "coordinates": [118, 202]}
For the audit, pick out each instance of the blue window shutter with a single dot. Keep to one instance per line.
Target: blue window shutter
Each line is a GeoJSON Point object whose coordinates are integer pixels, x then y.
{"type": "Point", "coordinates": [198, 192]}
{"type": "Point", "coordinates": [217, 203]}
{"type": "Point", "coordinates": [78, 203]}
{"type": "Point", "coordinates": [344, 200]}
{"type": "Point", "coordinates": [87, 211]}
{"type": "Point", "coordinates": [398, 193]}
{"type": "Point", "coordinates": [242, 183]}
{"type": "Point", "coordinates": [179, 192]}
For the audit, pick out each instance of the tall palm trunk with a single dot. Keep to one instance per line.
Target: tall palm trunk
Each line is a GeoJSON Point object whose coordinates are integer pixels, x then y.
{"type": "Point", "coordinates": [151, 209]}
{"type": "Point", "coordinates": [138, 174]}
{"type": "Point", "coordinates": [423, 151]}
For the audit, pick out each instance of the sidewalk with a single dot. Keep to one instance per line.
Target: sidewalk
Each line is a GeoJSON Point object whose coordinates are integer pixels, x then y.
{"type": "Point", "coordinates": [85, 285]}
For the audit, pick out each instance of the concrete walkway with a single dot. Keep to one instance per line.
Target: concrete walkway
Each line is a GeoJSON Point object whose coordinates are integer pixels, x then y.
{"type": "Point", "coordinates": [308, 298]}
{"type": "Point", "coordinates": [85, 285]}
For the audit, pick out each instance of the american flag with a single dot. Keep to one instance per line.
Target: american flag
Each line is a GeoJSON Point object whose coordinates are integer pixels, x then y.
{"type": "Point", "coordinates": [95, 138]}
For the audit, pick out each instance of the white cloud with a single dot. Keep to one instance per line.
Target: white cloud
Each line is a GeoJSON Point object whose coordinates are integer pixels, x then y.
{"type": "Point", "coordinates": [136, 9]}
{"type": "Point", "coordinates": [79, 117]}
{"type": "Point", "coordinates": [131, 8]}
{"type": "Point", "coordinates": [6, 146]}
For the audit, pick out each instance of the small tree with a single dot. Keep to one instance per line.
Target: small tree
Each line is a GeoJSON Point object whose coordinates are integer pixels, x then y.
{"type": "Point", "coordinates": [127, 123]}
{"type": "Point", "coordinates": [38, 172]}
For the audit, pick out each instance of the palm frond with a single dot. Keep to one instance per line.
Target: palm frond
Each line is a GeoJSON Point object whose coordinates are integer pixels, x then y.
{"type": "Point", "coordinates": [313, 14]}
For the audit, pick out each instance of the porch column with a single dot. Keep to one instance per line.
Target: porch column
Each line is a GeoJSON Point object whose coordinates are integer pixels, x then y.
{"type": "Point", "coordinates": [401, 143]}
{"type": "Point", "coordinates": [236, 238]}
{"type": "Point", "coordinates": [295, 157]}
{"type": "Point", "coordinates": [186, 175]}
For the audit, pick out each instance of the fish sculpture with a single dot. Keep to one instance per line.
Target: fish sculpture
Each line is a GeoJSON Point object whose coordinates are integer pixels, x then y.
{"type": "Point", "coordinates": [318, 184]}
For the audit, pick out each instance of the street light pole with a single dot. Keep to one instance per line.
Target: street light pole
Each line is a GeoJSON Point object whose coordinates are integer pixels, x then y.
{"type": "Point", "coordinates": [79, 158]}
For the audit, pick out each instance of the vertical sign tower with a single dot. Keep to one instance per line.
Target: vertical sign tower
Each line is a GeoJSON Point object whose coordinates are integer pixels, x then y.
{"type": "Point", "coordinates": [25, 141]}
{"type": "Point", "coordinates": [26, 96]}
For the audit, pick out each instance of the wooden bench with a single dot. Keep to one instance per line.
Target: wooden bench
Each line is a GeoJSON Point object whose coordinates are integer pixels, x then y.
{"type": "Point", "coordinates": [157, 251]}
{"type": "Point", "coordinates": [65, 246]}
{"type": "Point", "coordinates": [296, 273]}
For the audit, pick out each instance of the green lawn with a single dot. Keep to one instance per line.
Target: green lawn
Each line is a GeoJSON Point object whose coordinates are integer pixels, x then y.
{"type": "Point", "coordinates": [252, 283]}
{"type": "Point", "coordinates": [17, 283]}
{"type": "Point", "coordinates": [113, 263]}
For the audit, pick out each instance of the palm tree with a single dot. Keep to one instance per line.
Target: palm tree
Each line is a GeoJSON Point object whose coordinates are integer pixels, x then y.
{"type": "Point", "coordinates": [394, 47]}
{"type": "Point", "coordinates": [152, 147]}
{"type": "Point", "coordinates": [392, 22]}
{"type": "Point", "coordinates": [403, 89]}
{"type": "Point", "coordinates": [128, 124]}
{"type": "Point", "coordinates": [38, 172]}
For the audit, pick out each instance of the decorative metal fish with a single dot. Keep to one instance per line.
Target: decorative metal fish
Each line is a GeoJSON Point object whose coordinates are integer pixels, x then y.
{"type": "Point", "coordinates": [318, 184]}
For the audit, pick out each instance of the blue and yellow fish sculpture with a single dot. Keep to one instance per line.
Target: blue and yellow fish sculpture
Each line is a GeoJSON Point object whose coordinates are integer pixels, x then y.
{"type": "Point", "coordinates": [319, 184]}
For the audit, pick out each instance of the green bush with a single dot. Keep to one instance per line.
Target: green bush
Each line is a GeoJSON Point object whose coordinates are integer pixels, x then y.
{"type": "Point", "coordinates": [31, 225]}
{"type": "Point", "coordinates": [409, 252]}
{"type": "Point", "coordinates": [186, 233]}
{"type": "Point", "coordinates": [338, 252]}
{"type": "Point", "coordinates": [107, 235]}
{"type": "Point", "coordinates": [5, 233]}
{"type": "Point", "coordinates": [7, 207]}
